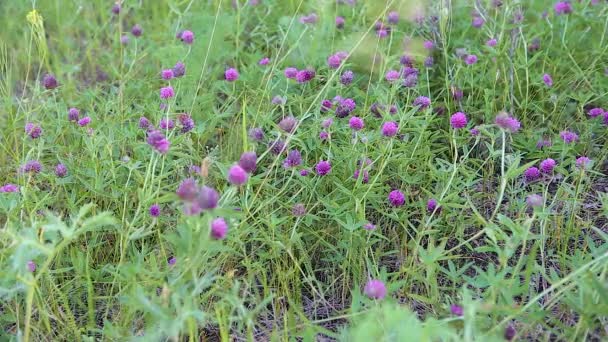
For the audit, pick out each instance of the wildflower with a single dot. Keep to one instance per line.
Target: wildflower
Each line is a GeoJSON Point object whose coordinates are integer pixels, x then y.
{"type": "Point", "coordinates": [345, 107]}
{"type": "Point", "coordinates": [73, 114]}
{"type": "Point", "coordinates": [429, 61]}
{"type": "Point", "coordinates": [9, 188]}
{"type": "Point", "coordinates": [31, 266]}
{"type": "Point", "coordinates": [356, 123]}
{"type": "Point", "coordinates": [166, 92]}
{"type": "Point", "coordinates": [543, 143]}
{"type": "Point", "coordinates": [377, 109]}
{"type": "Point", "coordinates": [236, 175]}
{"type": "Point", "coordinates": [298, 210]}
{"type": "Point", "coordinates": [547, 165]}
{"type": "Point", "coordinates": [407, 60]}
{"type": "Point", "coordinates": [248, 161]}
{"type": "Point", "coordinates": [84, 121]}
{"type": "Point", "coordinates": [60, 170]}
{"type": "Point", "coordinates": [507, 122]}
{"type": "Point", "coordinates": [562, 7]}
{"type": "Point", "coordinates": [510, 332]}
{"type": "Point", "coordinates": [369, 226]}
{"type": "Point", "coordinates": [144, 123]}
{"type": "Point", "coordinates": [396, 198]}
{"type": "Point", "coordinates": [429, 45]}
{"type": "Point", "coordinates": [392, 75]}
{"type": "Point", "coordinates": [124, 39]}
{"type": "Point", "coordinates": [327, 123]}
{"type": "Point", "coordinates": [583, 162]}
{"type": "Point", "coordinates": [323, 168]}
{"type": "Point", "coordinates": [186, 122]}
{"type": "Point", "coordinates": [166, 124]}
{"type": "Point", "coordinates": [49, 81]}
{"type": "Point", "coordinates": [431, 206]}
{"type": "Point", "coordinates": [305, 75]}
{"type": "Point", "coordinates": [477, 22]}
{"type": "Point", "coordinates": [155, 210]}
{"type": "Point", "coordinates": [158, 141]}
{"type": "Point", "coordinates": [408, 71]}
{"type": "Point", "coordinates": [389, 129]}
{"type": "Point", "coordinates": [32, 166]}
{"type": "Point", "coordinates": [219, 229]}
{"type": "Point", "coordinates": [491, 42]}
{"type": "Point", "coordinates": [187, 37]}
{"type": "Point", "coordinates": [364, 179]}
{"type": "Point", "coordinates": [458, 120]}
{"type": "Point", "coordinates": [179, 69]}
{"type": "Point", "coordinates": [470, 59]}
{"type": "Point", "coordinates": [410, 81]}
{"type": "Point", "coordinates": [172, 261]}
{"type": "Point", "coordinates": [531, 174]}
{"type": "Point", "coordinates": [334, 61]}
{"type": "Point", "coordinates": [309, 19]}
{"type": "Point", "coordinates": [392, 18]}
{"type": "Point", "coordinates": [194, 169]}
{"type": "Point", "coordinates": [288, 124]}
{"type": "Point", "coordinates": [382, 33]}
{"type": "Point", "coordinates": [116, 8]}
{"type": "Point", "coordinates": [347, 77]}
{"type": "Point", "coordinates": [422, 102]}
{"type": "Point", "coordinates": [568, 137]}
{"type": "Point", "coordinates": [534, 45]}
{"type": "Point", "coordinates": [393, 109]}
{"type": "Point", "coordinates": [167, 74]}
{"type": "Point", "coordinates": [291, 72]}
{"type": "Point", "coordinates": [256, 134]}
{"type": "Point", "coordinates": [34, 131]}
{"type": "Point", "coordinates": [294, 158]}
{"type": "Point", "coordinates": [474, 132]}
{"type": "Point", "coordinates": [595, 112]}
{"type": "Point", "coordinates": [136, 30]}
{"type": "Point", "coordinates": [207, 198]}
{"type": "Point", "coordinates": [375, 289]}
{"type": "Point", "coordinates": [340, 22]}
{"type": "Point", "coordinates": [456, 310]}
{"type": "Point", "coordinates": [277, 147]}
{"type": "Point", "coordinates": [264, 61]}
{"type": "Point", "coordinates": [187, 189]}
{"type": "Point", "coordinates": [278, 100]}
{"type": "Point", "coordinates": [231, 75]}
{"type": "Point", "coordinates": [548, 80]}
{"type": "Point", "coordinates": [534, 200]}
{"type": "Point", "coordinates": [326, 105]}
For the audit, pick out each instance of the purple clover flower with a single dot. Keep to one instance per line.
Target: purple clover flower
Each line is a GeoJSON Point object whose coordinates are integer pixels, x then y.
{"type": "Point", "coordinates": [375, 289]}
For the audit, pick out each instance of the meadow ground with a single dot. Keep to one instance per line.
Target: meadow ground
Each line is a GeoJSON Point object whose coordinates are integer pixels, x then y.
{"type": "Point", "coordinates": [303, 170]}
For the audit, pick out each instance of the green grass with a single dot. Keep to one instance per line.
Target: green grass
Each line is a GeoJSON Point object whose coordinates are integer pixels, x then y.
{"type": "Point", "coordinates": [102, 261]}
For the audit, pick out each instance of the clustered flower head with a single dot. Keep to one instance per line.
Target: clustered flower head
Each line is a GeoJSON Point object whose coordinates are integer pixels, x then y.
{"type": "Point", "coordinates": [583, 162]}
{"type": "Point", "coordinates": [9, 188]}
{"type": "Point", "coordinates": [507, 122]}
{"type": "Point", "coordinates": [562, 7]}
{"type": "Point", "coordinates": [294, 158]}
{"type": "Point", "coordinates": [306, 75]}
{"type": "Point", "coordinates": [340, 22]}
{"type": "Point", "coordinates": [396, 198]}
{"type": "Point", "coordinates": [548, 80]}
{"type": "Point", "coordinates": [237, 175]}
{"type": "Point", "coordinates": [196, 199]}
{"type": "Point", "coordinates": [309, 19]}
{"type": "Point", "coordinates": [323, 168]}
{"type": "Point", "coordinates": [432, 206]}
{"type": "Point", "coordinates": [166, 92]}
{"type": "Point", "coordinates": [34, 131]}
{"type": "Point", "coordinates": [167, 124]}
{"type": "Point", "coordinates": [219, 229]}
{"type": "Point", "coordinates": [595, 112]}
{"type": "Point", "coordinates": [32, 166]}
{"type": "Point", "coordinates": [231, 75]}
{"type": "Point", "coordinates": [456, 310]}
{"type": "Point", "coordinates": [288, 124]}
{"type": "Point", "coordinates": [49, 81]}
{"type": "Point", "coordinates": [73, 114]}
{"type": "Point", "coordinates": [365, 175]}
{"type": "Point", "coordinates": [375, 289]}
{"type": "Point", "coordinates": [179, 69]}
{"type": "Point", "coordinates": [534, 200]}
{"type": "Point", "coordinates": [136, 30]}
{"type": "Point", "coordinates": [154, 210]}
{"type": "Point", "coordinates": [356, 123]}
{"type": "Point", "coordinates": [248, 161]}
{"type": "Point", "coordinates": [458, 120]}
{"type": "Point", "coordinates": [345, 107]}
{"type": "Point", "coordinates": [422, 102]}
{"type": "Point", "coordinates": [568, 137]}
{"type": "Point", "coordinates": [347, 77]}
{"type": "Point", "coordinates": [547, 165]}
{"type": "Point", "coordinates": [470, 59]}
{"type": "Point", "coordinates": [186, 121]}
{"type": "Point", "coordinates": [186, 36]}
{"type": "Point", "coordinates": [298, 210]}
{"type": "Point", "coordinates": [61, 170]}
{"type": "Point", "coordinates": [390, 128]}
{"type": "Point", "coordinates": [157, 140]}
{"type": "Point", "coordinates": [531, 174]}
